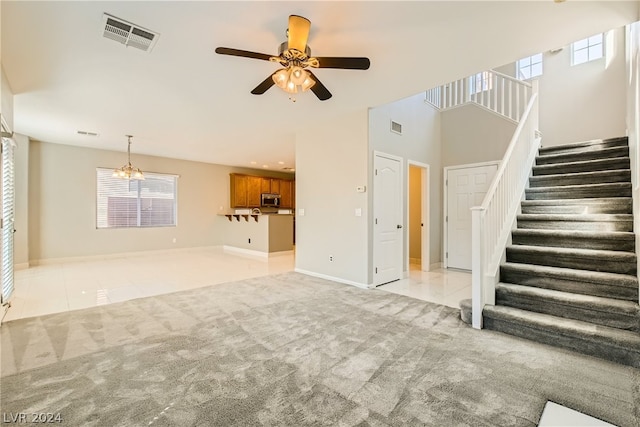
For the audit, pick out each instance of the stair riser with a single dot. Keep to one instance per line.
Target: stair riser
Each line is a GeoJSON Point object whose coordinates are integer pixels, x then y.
{"type": "Point", "coordinates": [598, 349]}
{"type": "Point", "coordinates": [578, 209]}
{"type": "Point", "coordinates": [564, 284]}
{"type": "Point", "coordinates": [608, 164]}
{"type": "Point", "coordinates": [578, 225]}
{"type": "Point", "coordinates": [609, 244]}
{"type": "Point", "coordinates": [583, 156]}
{"type": "Point", "coordinates": [559, 181]}
{"type": "Point", "coordinates": [626, 321]}
{"type": "Point", "coordinates": [555, 193]}
{"type": "Point", "coordinates": [618, 142]}
{"type": "Point", "coordinates": [575, 262]}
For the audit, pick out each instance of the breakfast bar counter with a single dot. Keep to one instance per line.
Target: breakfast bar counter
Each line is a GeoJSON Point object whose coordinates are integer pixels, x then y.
{"type": "Point", "coordinates": [258, 234]}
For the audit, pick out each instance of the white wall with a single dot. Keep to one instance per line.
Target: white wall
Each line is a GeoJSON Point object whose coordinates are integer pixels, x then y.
{"type": "Point", "coordinates": [581, 102]}
{"type": "Point", "coordinates": [633, 118]}
{"type": "Point", "coordinates": [21, 225]}
{"type": "Point", "coordinates": [331, 161]}
{"type": "Point", "coordinates": [6, 99]}
{"type": "Point", "coordinates": [471, 134]}
{"type": "Point", "coordinates": [420, 142]}
{"type": "Point", "coordinates": [62, 203]}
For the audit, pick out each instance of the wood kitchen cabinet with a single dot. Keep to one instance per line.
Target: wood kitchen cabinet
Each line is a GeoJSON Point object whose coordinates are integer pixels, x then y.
{"type": "Point", "coordinates": [246, 190]}
{"type": "Point", "coordinates": [286, 194]}
{"type": "Point", "coordinates": [238, 191]}
{"type": "Point", "coordinates": [254, 191]}
{"type": "Point", "coordinates": [271, 185]}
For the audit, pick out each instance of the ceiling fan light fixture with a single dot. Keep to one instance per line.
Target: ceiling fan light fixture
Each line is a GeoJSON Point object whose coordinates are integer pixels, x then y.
{"type": "Point", "coordinates": [307, 83]}
{"type": "Point", "coordinates": [298, 75]}
{"type": "Point", "coordinates": [280, 78]}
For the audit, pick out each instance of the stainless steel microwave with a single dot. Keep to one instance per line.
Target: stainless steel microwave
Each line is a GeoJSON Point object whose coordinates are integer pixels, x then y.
{"type": "Point", "coordinates": [270, 200]}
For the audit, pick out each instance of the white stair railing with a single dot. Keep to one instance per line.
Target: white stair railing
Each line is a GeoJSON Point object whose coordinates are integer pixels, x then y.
{"type": "Point", "coordinates": [494, 91]}
{"type": "Point", "coordinates": [492, 221]}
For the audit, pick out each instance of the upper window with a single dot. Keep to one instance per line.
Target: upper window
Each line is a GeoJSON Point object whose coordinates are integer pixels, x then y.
{"type": "Point", "coordinates": [480, 82]}
{"type": "Point", "coordinates": [588, 49]}
{"type": "Point", "coordinates": [151, 202]}
{"type": "Point", "coordinates": [530, 67]}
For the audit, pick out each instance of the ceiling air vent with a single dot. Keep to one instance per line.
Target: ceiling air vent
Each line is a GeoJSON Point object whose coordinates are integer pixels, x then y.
{"type": "Point", "coordinates": [87, 133]}
{"type": "Point", "coordinates": [396, 127]}
{"type": "Point", "coordinates": [127, 33]}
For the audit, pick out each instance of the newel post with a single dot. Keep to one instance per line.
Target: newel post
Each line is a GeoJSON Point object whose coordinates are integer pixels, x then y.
{"type": "Point", "coordinates": [477, 265]}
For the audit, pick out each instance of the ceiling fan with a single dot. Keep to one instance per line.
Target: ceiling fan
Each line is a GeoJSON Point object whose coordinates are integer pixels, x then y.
{"type": "Point", "coordinates": [295, 56]}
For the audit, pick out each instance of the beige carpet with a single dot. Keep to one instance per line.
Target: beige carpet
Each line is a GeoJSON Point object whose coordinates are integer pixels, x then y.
{"type": "Point", "coordinates": [293, 350]}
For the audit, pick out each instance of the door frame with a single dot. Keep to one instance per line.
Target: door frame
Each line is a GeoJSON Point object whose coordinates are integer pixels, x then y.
{"type": "Point", "coordinates": [425, 215]}
{"type": "Point", "coordinates": [445, 234]}
{"type": "Point", "coordinates": [400, 161]}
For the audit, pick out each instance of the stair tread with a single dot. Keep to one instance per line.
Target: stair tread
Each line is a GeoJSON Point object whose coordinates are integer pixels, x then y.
{"type": "Point", "coordinates": [586, 143]}
{"type": "Point", "coordinates": [600, 253]}
{"type": "Point", "coordinates": [589, 331]}
{"type": "Point", "coordinates": [616, 279]}
{"type": "Point", "coordinates": [580, 174]}
{"type": "Point", "coordinates": [579, 186]}
{"type": "Point", "coordinates": [624, 235]}
{"type": "Point", "coordinates": [604, 151]}
{"type": "Point", "coordinates": [595, 303]}
{"type": "Point", "coordinates": [552, 202]}
{"type": "Point", "coordinates": [577, 163]}
{"type": "Point", "coordinates": [573, 217]}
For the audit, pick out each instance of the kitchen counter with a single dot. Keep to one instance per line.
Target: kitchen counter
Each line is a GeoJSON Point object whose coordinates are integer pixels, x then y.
{"type": "Point", "coordinates": [258, 234]}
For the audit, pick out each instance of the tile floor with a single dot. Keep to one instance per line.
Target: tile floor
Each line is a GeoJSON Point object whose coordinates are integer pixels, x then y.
{"type": "Point", "coordinates": [68, 286]}
{"type": "Point", "coordinates": [442, 286]}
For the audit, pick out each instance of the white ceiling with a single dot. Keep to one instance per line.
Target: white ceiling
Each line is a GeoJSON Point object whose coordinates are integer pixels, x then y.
{"type": "Point", "coordinates": [182, 100]}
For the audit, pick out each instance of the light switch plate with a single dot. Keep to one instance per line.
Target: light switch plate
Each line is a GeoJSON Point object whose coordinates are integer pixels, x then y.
{"type": "Point", "coordinates": [358, 211]}
{"type": "Point", "coordinates": [301, 212]}
{"type": "Point", "coordinates": [361, 188]}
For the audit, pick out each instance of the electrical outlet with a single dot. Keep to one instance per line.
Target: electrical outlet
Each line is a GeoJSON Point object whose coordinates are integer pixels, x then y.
{"type": "Point", "coordinates": [249, 240]}
{"type": "Point", "coordinates": [175, 240]}
{"type": "Point", "coordinates": [331, 258]}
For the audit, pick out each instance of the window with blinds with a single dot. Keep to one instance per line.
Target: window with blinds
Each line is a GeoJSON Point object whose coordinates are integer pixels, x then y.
{"type": "Point", "coordinates": [151, 202]}
{"type": "Point", "coordinates": [8, 216]}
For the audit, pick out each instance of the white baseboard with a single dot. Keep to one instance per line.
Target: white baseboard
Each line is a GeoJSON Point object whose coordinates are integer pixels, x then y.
{"type": "Point", "coordinates": [21, 266]}
{"type": "Point", "coordinates": [251, 252]}
{"type": "Point", "coordinates": [334, 279]}
{"type": "Point", "coordinates": [243, 251]}
{"type": "Point", "coordinates": [51, 261]}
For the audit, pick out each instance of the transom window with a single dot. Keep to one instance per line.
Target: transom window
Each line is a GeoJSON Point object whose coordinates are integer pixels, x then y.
{"type": "Point", "coordinates": [151, 202]}
{"type": "Point", "coordinates": [588, 49]}
{"type": "Point", "coordinates": [530, 67]}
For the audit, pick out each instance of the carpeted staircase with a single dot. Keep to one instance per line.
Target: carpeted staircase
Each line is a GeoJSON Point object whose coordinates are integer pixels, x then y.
{"type": "Point", "coordinates": [570, 275]}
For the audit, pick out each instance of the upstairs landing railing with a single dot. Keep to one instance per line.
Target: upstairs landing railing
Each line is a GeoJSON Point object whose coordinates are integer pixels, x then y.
{"type": "Point", "coordinates": [496, 92]}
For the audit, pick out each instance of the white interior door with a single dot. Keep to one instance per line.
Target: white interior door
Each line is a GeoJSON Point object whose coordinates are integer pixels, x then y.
{"type": "Point", "coordinates": [8, 215]}
{"type": "Point", "coordinates": [466, 187]}
{"type": "Point", "coordinates": [387, 225]}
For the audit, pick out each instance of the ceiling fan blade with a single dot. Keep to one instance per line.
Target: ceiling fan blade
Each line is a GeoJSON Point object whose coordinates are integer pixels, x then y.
{"type": "Point", "coordinates": [346, 63]}
{"type": "Point", "coordinates": [242, 53]}
{"type": "Point", "coordinates": [319, 89]}
{"type": "Point", "coordinates": [298, 32]}
{"type": "Point", "coordinates": [264, 86]}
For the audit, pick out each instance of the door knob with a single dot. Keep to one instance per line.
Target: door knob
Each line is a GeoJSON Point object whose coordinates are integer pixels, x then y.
{"type": "Point", "coordinates": [398, 226]}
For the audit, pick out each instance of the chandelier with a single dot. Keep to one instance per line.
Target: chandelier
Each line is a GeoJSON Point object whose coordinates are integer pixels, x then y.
{"type": "Point", "coordinates": [127, 171]}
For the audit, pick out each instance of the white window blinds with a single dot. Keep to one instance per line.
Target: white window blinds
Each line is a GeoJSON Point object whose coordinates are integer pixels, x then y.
{"type": "Point", "coordinates": [8, 215]}
{"type": "Point", "coordinates": [151, 202]}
